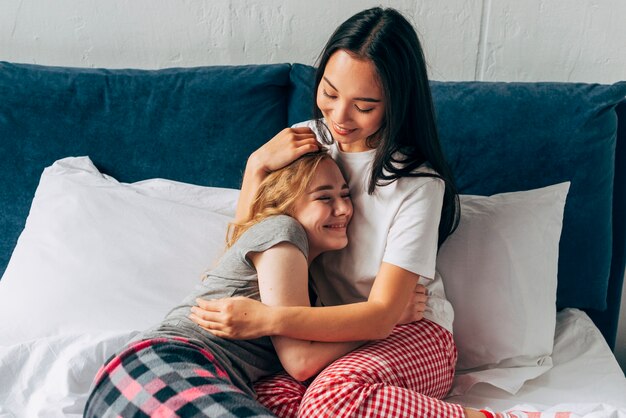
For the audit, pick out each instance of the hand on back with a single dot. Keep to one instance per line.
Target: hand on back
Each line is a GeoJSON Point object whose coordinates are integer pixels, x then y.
{"type": "Point", "coordinates": [416, 306]}
{"type": "Point", "coordinates": [238, 318]}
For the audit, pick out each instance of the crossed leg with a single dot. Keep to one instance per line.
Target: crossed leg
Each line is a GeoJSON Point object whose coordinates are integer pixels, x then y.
{"type": "Point", "coordinates": [406, 374]}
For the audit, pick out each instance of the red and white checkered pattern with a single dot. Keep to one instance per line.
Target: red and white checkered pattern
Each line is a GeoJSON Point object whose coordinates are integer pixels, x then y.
{"type": "Point", "coordinates": [281, 394]}
{"type": "Point", "coordinates": [405, 374]}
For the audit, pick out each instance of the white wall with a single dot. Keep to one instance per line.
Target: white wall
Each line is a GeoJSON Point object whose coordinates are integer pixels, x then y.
{"type": "Point", "coordinates": [557, 40]}
{"type": "Point", "coordinates": [506, 40]}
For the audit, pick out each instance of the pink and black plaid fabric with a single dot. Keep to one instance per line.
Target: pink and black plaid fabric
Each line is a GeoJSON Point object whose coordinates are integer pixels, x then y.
{"type": "Point", "coordinates": [167, 378]}
{"type": "Point", "coordinates": [404, 375]}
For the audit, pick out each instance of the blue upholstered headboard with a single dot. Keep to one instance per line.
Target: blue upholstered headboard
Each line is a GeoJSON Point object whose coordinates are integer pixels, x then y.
{"type": "Point", "coordinates": [198, 125]}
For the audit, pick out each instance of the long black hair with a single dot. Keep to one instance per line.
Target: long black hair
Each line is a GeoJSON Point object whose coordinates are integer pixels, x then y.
{"type": "Point", "coordinates": [408, 135]}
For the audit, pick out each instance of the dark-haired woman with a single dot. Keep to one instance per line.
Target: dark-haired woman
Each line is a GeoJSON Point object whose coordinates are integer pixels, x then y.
{"type": "Point", "coordinates": [375, 114]}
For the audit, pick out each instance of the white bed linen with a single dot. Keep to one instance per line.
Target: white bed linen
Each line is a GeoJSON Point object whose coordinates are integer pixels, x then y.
{"type": "Point", "coordinates": [585, 379]}
{"type": "Point", "coordinates": [51, 377]}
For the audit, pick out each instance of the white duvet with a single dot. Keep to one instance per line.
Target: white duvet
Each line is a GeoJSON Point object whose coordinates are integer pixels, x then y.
{"type": "Point", "coordinates": [585, 379]}
{"type": "Point", "coordinates": [51, 377]}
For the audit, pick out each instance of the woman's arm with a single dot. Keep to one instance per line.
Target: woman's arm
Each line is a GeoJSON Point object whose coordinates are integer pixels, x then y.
{"type": "Point", "coordinates": [283, 281]}
{"type": "Point", "coordinates": [373, 319]}
{"type": "Point", "coordinates": [242, 318]}
{"type": "Point", "coordinates": [285, 147]}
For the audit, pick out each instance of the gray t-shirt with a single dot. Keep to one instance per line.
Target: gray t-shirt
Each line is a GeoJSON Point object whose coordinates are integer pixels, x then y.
{"type": "Point", "coordinates": [246, 361]}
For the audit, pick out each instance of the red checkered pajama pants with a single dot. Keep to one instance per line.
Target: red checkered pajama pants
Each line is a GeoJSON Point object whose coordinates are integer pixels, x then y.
{"type": "Point", "coordinates": [404, 375]}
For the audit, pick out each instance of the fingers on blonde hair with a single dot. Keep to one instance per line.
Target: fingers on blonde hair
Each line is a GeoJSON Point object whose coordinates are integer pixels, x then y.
{"type": "Point", "coordinates": [279, 193]}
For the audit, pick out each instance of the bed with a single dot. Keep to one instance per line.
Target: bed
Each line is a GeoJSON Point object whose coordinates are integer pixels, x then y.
{"type": "Point", "coordinates": [117, 186]}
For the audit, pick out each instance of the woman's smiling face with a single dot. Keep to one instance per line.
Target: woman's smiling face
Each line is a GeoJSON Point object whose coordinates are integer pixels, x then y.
{"type": "Point", "coordinates": [325, 209]}
{"type": "Point", "coordinates": [351, 100]}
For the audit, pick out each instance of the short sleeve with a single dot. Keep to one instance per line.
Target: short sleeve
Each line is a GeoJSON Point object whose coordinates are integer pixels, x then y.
{"type": "Point", "coordinates": [270, 232]}
{"type": "Point", "coordinates": [413, 235]}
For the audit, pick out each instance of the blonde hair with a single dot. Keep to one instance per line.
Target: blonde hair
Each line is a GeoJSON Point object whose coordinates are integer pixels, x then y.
{"type": "Point", "coordinates": [278, 193]}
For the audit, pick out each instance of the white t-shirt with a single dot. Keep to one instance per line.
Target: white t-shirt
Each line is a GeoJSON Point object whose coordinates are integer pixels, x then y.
{"type": "Point", "coordinates": [397, 224]}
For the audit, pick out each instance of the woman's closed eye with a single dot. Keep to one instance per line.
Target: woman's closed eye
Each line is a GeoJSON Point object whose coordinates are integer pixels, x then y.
{"type": "Point", "coordinates": [325, 93]}
{"type": "Point", "coordinates": [363, 110]}
{"type": "Point", "coordinates": [328, 198]}
{"type": "Point", "coordinates": [324, 198]}
{"type": "Point", "coordinates": [332, 97]}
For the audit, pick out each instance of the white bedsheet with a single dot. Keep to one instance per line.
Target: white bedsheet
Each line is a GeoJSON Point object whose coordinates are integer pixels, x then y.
{"type": "Point", "coordinates": [51, 377]}
{"type": "Point", "coordinates": [585, 379]}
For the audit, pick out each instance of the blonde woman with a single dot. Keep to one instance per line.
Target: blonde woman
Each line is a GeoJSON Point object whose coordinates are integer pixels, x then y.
{"type": "Point", "coordinates": [180, 369]}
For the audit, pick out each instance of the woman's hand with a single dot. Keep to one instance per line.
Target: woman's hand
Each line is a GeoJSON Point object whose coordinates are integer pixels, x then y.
{"type": "Point", "coordinates": [288, 145]}
{"type": "Point", "coordinates": [237, 318]}
{"type": "Point", "coordinates": [414, 310]}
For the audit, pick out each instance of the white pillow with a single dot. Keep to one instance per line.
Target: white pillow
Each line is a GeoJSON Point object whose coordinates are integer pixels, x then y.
{"type": "Point", "coordinates": [97, 255]}
{"type": "Point", "coordinates": [500, 273]}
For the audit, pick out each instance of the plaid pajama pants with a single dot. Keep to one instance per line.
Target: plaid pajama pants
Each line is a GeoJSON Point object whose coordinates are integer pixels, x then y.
{"type": "Point", "coordinates": [404, 375]}
{"type": "Point", "coordinates": [167, 378]}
